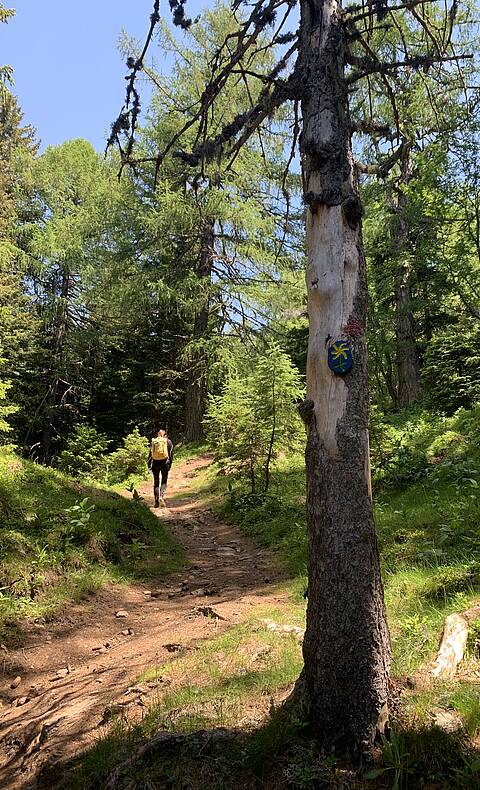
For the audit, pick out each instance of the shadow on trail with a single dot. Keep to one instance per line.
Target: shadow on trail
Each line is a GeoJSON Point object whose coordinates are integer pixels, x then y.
{"type": "Point", "coordinates": [225, 571]}
{"type": "Point", "coordinates": [279, 755]}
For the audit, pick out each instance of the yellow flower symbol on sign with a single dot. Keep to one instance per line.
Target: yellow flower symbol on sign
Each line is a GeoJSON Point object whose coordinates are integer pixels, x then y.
{"type": "Point", "coordinates": [339, 350]}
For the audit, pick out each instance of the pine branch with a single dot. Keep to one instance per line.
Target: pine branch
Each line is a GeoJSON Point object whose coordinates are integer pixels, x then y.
{"type": "Point", "coordinates": [417, 62]}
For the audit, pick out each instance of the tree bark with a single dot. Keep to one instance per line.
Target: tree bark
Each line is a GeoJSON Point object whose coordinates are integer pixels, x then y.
{"type": "Point", "coordinates": [346, 649]}
{"type": "Point", "coordinates": [195, 391]}
{"type": "Point", "coordinates": [60, 330]}
{"type": "Point", "coordinates": [272, 435]}
{"type": "Point", "coordinates": [408, 363]}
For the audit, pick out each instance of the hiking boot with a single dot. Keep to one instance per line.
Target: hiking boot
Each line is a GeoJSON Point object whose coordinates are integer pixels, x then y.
{"type": "Point", "coordinates": [157, 503]}
{"type": "Point", "coordinates": [162, 502]}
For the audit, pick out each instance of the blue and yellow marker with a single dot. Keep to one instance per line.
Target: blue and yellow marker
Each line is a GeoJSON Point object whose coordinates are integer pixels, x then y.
{"type": "Point", "coordinates": [340, 357]}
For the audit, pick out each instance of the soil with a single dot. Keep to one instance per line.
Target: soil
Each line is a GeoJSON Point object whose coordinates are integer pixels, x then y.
{"type": "Point", "coordinates": [82, 667]}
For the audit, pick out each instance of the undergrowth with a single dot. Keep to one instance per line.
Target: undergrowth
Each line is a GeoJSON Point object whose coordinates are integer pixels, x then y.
{"type": "Point", "coordinates": [61, 540]}
{"type": "Point", "coordinates": [427, 516]}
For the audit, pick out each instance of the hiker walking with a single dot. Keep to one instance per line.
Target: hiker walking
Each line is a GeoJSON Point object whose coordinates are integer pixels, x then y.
{"type": "Point", "coordinates": [159, 461]}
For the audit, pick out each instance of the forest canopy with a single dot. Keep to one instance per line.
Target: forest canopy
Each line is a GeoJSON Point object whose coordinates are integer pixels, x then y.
{"type": "Point", "coordinates": [276, 260]}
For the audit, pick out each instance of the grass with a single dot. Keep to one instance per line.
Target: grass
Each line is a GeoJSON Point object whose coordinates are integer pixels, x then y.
{"type": "Point", "coordinates": [60, 541]}
{"type": "Point", "coordinates": [231, 679]}
{"type": "Point", "coordinates": [239, 680]}
{"type": "Point", "coordinates": [431, 563]}
{"type": "Point", "coordinates": [429, 541]}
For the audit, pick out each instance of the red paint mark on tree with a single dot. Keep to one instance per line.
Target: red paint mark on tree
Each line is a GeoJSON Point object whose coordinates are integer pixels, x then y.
{"type": "Point", "coordinates": [353, 327]}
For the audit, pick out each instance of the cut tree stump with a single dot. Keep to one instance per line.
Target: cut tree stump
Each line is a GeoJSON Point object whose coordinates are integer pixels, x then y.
{"type": "Point", "coordinates": [453, 642]}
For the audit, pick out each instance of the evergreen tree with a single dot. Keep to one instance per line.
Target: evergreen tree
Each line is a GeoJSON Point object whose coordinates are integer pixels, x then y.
{"type": "Point", "coordinates": [255, 416]}
{"type": "Point", "coordinates": [224, 221]}
{"type": "Point", "coordinates": [343, 692]}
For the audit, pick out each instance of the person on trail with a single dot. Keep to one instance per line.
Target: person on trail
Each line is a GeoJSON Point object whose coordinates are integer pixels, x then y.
{"type": "Point", "coordinates": [159, 461]}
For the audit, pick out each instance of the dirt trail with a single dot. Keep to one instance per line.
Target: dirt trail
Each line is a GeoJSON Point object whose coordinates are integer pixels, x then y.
{"type": "Point", "coordinates": [65, 713]}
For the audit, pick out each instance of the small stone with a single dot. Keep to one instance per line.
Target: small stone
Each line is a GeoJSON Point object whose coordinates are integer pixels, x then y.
{"type": "Point", "coordinates": [447, 720]}
{"type": "Point", "coordinates": [22, 701]}
{"type": "Point", "coordinates": [172, 648]}
{"type": "Point", "coordinates": [127, 631]}
{"type": "Point", "coordinates": [121, 613]}
{"type": "Point", "coordinates": [207, 611]}
{"type": "Point", "coordinates": [226, 551]}
{"type": "Point", "coordinates": [62, 673]}
{"type": "Point", "coordinates": [147, 592]}
{"type": "Point", "coordinates": [135, 690]}
{"type": "Point", "coordinates": [116, 709]}
{"type": "Point", "coordinates": [15, 683]}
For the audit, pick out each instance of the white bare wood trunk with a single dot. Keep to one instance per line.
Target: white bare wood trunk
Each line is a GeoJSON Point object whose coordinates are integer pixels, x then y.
{"type": "Point", "coordinates": [346, 647]}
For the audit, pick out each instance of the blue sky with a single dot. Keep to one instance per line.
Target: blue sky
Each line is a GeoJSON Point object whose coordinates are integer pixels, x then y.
{"type": "Point", "coordinates": [68, 71]}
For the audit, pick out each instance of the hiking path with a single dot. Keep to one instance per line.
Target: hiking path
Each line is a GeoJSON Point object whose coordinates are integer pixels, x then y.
{"type": "Point", "coordinates": [83, 667]}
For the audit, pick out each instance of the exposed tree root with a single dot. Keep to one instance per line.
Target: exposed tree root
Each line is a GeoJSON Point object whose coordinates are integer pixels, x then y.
{"type": "Point", "coordinates": [164, 743]}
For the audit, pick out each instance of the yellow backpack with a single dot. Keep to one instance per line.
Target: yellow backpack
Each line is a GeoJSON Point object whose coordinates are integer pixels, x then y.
{"type": "Point", "coordinates": [160, 448]}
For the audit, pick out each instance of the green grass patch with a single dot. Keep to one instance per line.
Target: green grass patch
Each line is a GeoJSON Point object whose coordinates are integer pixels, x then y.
{"type": "Point", "coordinates": [61, 540]}
{"type": "Point", "coordinates": [429, 543]}
{"type": "Point", "coordinates": [230, 679]}
{"type": "Point", "coordinates": [428, 534]}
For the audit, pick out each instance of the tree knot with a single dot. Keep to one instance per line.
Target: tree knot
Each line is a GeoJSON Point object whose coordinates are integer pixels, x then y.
{"type": "Point", "coordinates": [306, 411]}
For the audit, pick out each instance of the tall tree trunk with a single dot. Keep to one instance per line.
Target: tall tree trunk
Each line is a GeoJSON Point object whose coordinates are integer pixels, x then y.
{"type": "Point", "coordinates": [52, 397]}
{"type": "Point", "coordinates": [346, 647]}
{"type": "Point", "coordinates": [408, 364]}
{"type": "Point", "coordinates": [195, 391]}
{"type": "Point", "coordinates": [272, 434]}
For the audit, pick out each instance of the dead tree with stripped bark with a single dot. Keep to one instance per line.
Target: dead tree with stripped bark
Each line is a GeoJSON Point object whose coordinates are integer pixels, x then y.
{"type": "Point", "coordinates": [344, 687]}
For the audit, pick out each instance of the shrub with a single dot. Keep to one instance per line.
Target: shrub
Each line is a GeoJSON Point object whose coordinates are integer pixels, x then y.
{"type": "Point", "coordinates": [84, 454]}
{"type": "Point", "coordinates": [255, 417]}
{"type": "Point", "coordinates": [450, 368]}
{"type": "Point", "coordinates": [449, 444]}
{"type": "Point", "coordinates": [416, 444]}
{"type": "Point", "coordinates": [129, 460]}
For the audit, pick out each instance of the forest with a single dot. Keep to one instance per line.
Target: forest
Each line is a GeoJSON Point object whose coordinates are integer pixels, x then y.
{"type": "Point", "coordinates": [275, 261]}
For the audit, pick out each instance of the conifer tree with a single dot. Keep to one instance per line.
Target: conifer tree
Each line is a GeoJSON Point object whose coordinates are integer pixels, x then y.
{"type": "Point", "coordinates": [343, 690]}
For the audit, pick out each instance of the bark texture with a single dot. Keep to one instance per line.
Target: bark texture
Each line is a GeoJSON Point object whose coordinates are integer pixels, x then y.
{"type": "Point", "coordinates": [346, 646]}
{"type": "Point", "coordinates": [55, 386]}
{"type": "Point", "coordinates": [195, 391]}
